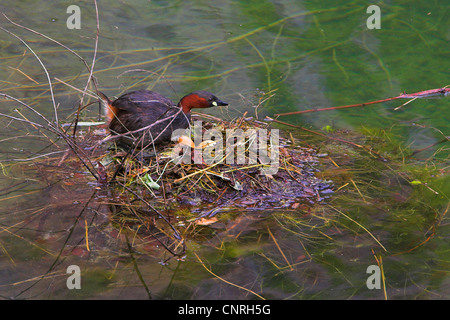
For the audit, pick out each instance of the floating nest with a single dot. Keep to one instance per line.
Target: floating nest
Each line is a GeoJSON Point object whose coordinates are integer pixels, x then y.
{"type": "Point", "coordinates": [154, 177]}
{"type": "Point", "coordinates": [150, 194]}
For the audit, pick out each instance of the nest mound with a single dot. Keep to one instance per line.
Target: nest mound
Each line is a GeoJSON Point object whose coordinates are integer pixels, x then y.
{"type": "Point", "coordinates": [168, 177]}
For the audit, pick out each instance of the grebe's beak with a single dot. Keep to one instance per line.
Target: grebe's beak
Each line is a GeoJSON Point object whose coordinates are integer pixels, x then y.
{"type": "Point", "coordinates": [219, 103]}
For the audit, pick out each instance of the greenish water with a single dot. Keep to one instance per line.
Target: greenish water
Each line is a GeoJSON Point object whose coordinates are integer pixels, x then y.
{"type": "Point", "coordinates": [310, 54]}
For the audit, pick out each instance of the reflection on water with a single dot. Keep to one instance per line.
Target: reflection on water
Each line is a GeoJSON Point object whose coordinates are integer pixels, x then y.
{"type": "Point", "coordinates": [305, 251]}
{"type": "Point", "coordinates": [390, 214]}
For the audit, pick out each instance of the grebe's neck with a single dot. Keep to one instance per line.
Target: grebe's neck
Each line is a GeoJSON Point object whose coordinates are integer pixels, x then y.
{"type": "Point", "coordinates": [192, 101]}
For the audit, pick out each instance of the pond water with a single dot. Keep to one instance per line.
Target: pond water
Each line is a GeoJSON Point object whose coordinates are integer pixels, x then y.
{"type": "Point", "coordinates": [391, 214]}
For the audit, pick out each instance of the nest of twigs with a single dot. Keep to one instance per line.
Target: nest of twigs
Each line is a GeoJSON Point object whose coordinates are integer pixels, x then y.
{"type": "Point", "coordinates": [205, 189]}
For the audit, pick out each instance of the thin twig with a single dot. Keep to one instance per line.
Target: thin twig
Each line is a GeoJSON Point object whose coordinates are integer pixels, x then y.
{"type": "Point", "coordinates": [175, 231]}
{"type": "Point", "coordinates": [51, 127]}
{"type": "Point", "coordinates": [45, 70]}
{"type": "Point", "coordinates": [91, 70]}
{"type": "Point", "coordinates": [360, 225]}
{"type": "Point", "coordinates": [370, 151]}
{"type": "Point", "coordinates": [226, 281]}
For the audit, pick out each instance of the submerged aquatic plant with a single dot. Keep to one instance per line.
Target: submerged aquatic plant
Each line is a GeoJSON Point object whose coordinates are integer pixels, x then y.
{"type": "Point", "coordinates": [216, 228]}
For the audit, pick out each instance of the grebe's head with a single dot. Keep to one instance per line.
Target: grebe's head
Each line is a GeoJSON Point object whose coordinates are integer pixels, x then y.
{"type": "Point", "coordinates": [200, 99]}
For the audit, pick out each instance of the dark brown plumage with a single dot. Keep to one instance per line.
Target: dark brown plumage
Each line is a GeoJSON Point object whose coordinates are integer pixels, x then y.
{"type": "Point", "coordinates": [143, 117]}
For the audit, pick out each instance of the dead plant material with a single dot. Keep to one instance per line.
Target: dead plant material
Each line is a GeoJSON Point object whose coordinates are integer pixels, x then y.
{"type": "Point", "coordinates": [205, 189]}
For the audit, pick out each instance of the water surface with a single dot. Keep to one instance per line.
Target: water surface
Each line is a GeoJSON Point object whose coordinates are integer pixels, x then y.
{"type": "Point", "coordinates": [307, 54]}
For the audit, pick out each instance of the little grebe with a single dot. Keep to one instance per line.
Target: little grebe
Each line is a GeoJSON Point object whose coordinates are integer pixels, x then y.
{"type": "Point", "coordinates": [144, 117]}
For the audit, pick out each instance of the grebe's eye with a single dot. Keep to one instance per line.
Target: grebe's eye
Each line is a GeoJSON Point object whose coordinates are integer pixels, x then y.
{"type": "Point", "coordinates": [214, 103]}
